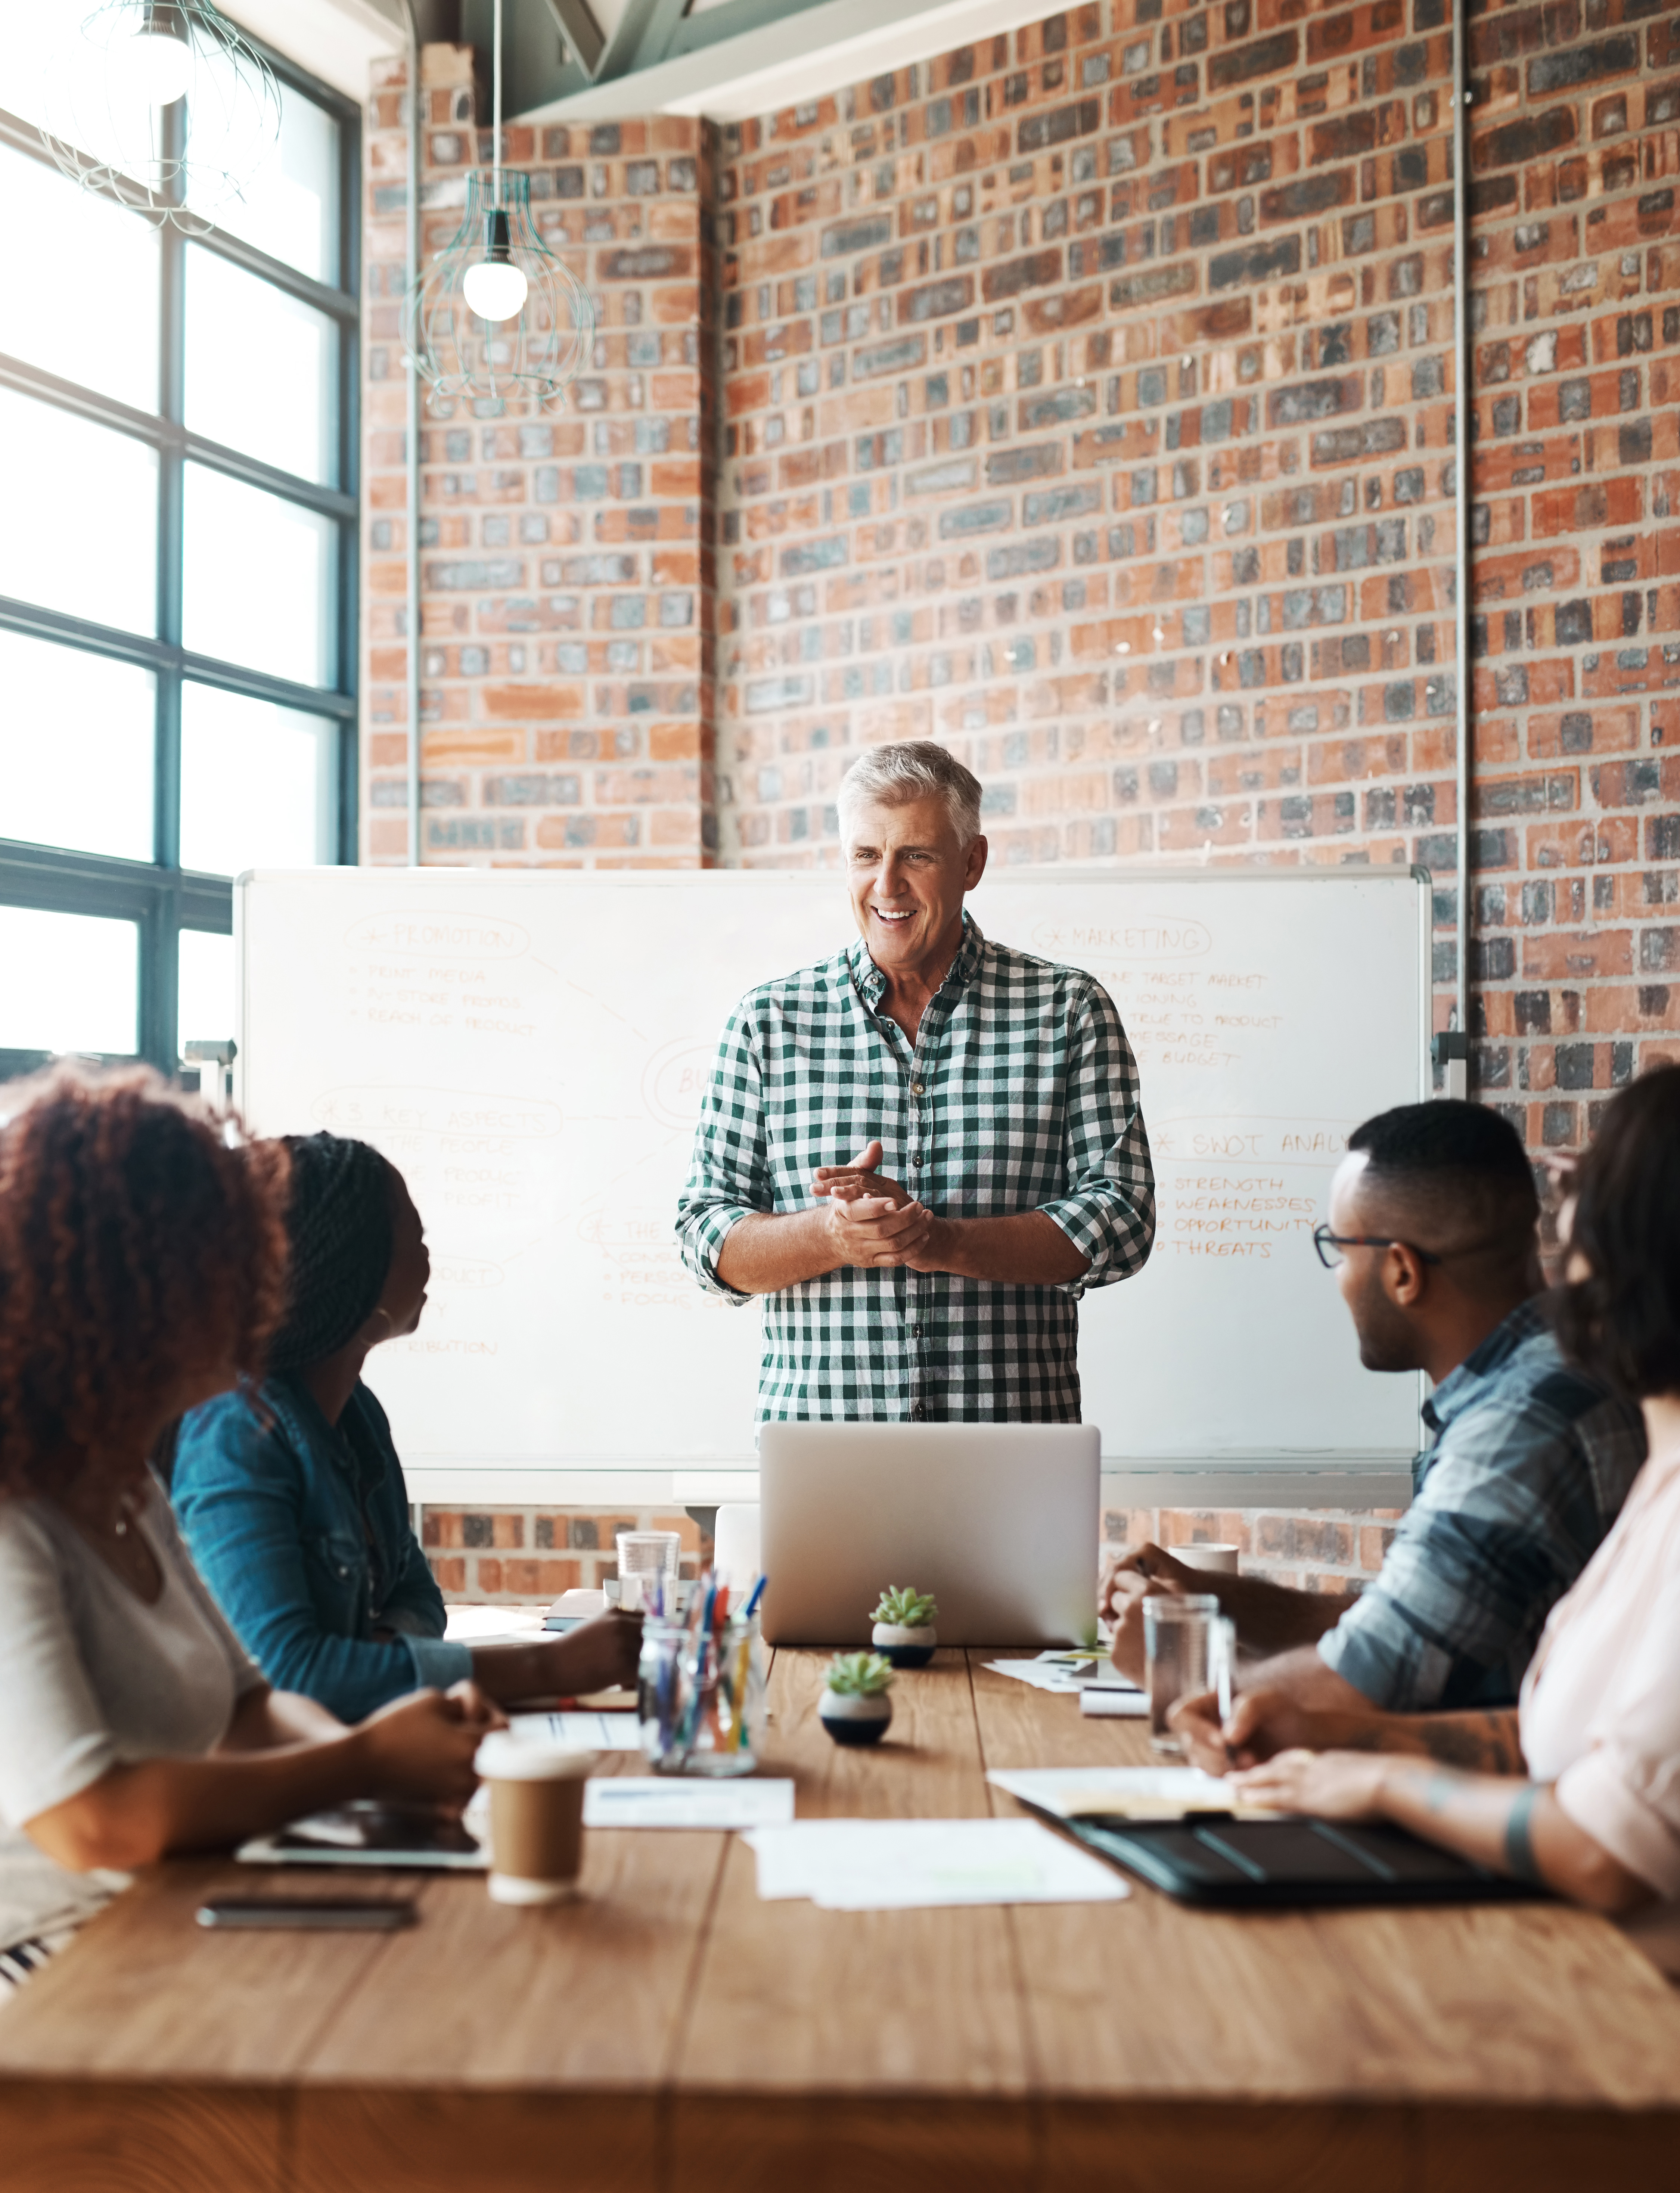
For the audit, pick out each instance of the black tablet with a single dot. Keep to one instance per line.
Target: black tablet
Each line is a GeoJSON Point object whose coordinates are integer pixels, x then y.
{"type": "Point", "coordinates": [1210, 1859]}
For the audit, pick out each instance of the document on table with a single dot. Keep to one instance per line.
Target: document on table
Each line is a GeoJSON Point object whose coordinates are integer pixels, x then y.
{"type": "Point", "coordinates": [648, 1801]}
{"type": "Point", "coordinates": [897, 1866]}
{"type": "Point", "coordinates": [601, 1731]}
{"type": "Point", "coordinates": [1135, 1793]}
{"type": "Point", "coordinates": [1109, 1701]}
{"type": "Point", "coordinates": [1065, 1673]}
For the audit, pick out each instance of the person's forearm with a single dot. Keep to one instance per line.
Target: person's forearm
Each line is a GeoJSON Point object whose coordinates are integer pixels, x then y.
{"type": "Point", "coordinates": [1027, 1249]}
{"type": "Point", "coordinates": [136, 1814]}
{"type": "Point", "coordinates": [768, 1251]}
{"type": "Point", "coordinates": [1510, 1826]}
{"type": "Point", "coordinates": [1272, 1617]}
{"type": "Point", "coordinates": [1474, 1742]}
{"type": "Point", "coordinates": [514, 1674]}
{"type": "Point", "coordinates": [265, 1719]}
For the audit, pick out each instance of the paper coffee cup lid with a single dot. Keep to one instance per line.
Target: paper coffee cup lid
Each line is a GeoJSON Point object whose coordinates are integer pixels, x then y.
{"type": "Point", "coordinates": [504, 1757]}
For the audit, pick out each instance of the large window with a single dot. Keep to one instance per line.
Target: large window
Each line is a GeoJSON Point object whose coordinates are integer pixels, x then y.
{"type": "Point", "coordinates": [178, 480]}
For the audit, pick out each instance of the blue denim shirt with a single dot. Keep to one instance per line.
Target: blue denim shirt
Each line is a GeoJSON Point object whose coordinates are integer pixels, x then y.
{"type": "Point", "coordinates": [301, 1528]}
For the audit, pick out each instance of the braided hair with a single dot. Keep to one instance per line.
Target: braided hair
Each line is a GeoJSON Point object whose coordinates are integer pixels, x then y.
{"type": "Point", "coordinates": [339, 1226]}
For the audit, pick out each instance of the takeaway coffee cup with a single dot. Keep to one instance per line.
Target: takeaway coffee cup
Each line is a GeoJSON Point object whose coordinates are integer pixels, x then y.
{"type": "Point", "coordinates": [536, 1817]}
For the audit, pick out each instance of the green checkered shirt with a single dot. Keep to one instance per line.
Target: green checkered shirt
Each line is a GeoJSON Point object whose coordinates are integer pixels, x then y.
{"type": "Point", "coordinates": [1020, 1093]}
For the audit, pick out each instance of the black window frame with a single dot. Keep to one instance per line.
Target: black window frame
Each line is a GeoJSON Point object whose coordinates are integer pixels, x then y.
{"type": "Point", "coordinates": [159, 895]}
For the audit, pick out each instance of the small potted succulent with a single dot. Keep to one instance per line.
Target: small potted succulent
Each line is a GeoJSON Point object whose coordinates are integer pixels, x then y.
{"type": "Point", "coordinates": [855, 1707]}
{"type": "Point", "coordinates": [904, 1632]}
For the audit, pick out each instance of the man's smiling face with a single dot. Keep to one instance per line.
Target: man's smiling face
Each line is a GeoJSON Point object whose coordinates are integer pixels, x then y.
{"type": "Point", "coordinates": [908, 870]}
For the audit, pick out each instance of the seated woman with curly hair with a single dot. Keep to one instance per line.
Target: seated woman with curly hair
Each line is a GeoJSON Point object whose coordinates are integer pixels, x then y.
{"type": "Point", "coordinates": [1578, 1789]}
{"type": "Point", "coordinates": [142, 1270]}
{"type": "Point", "coordinates": [292, 1497]}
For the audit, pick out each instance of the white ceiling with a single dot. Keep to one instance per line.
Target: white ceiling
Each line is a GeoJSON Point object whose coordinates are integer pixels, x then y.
{"type": "Point", "coordinates": [798, 58]}
{"type": "Point", "coordinates": [337, 40]}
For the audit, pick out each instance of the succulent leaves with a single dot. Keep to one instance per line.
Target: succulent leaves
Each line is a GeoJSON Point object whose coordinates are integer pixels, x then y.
{"type": "Point", "coordinates": [906, 1608]}
{"type": "Point", "coordinates": [859, 1674]}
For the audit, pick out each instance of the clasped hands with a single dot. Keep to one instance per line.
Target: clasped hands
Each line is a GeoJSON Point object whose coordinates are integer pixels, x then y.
{"type": "Point", "coordinates": [875, 1222]}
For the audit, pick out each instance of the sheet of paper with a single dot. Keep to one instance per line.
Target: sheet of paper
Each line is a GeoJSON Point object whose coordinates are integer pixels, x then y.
{"type": "Point", "coordinates": [895, 1866]}
{"type": "Point", "coordinates": [1064, 1672]}
{"type": "Point", "coordinates": [1109, 1701]}
{"type": "Point", "coordinates": [602, 1731]}
{"type": "Point", "coordinates": [1140, 1793]}
{"type": "Point", "coordinates": [627, 1800]}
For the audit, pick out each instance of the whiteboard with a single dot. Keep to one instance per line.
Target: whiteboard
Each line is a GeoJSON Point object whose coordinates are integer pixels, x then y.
{"type": "Point", "coordinates": [530, 1049]}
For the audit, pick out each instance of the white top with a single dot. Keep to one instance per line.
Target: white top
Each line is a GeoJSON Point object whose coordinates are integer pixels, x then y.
{"type": "Point", "coordinates": [1600, 1712]}
{"type": "Point", "coordinates": [94, 1678]}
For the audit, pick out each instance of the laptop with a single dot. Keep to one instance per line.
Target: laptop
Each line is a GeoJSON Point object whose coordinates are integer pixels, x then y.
{"type": "Point", "coordinates": [999, 1522]}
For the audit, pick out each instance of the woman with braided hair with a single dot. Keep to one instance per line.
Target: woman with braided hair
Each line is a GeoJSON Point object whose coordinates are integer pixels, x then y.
{"type": "Point", "coordinates": [292, 1497]}
{"type": "Point", "coordinates": [142, 1261]}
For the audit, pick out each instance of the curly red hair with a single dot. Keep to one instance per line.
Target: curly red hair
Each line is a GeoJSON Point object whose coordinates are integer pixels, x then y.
{"type": "Point", "coordinates": [142, 1242]}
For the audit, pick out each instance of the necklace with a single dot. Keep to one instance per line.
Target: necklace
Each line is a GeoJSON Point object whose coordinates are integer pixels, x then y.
{"type": "Point", "coordinates": [128, 1507]}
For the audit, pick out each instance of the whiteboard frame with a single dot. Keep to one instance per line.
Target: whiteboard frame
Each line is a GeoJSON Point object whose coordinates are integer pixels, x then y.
{"type": "Point", "coordinates": [1265, 1478]}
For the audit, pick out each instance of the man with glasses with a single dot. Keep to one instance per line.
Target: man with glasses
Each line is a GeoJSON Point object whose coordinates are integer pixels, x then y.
{"type": "Point", "coordinates": [1432, 1238]}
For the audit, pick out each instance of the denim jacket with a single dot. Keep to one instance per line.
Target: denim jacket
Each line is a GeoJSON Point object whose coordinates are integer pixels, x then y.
{"type": "Point", "coordinates": [301, 1528]}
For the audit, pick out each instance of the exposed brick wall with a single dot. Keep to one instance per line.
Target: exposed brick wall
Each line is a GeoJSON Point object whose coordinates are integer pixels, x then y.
{"type": "Point", "coordinates": [1083, 399]}
{"type": "Point", "coordinates": [1089, 398]}
{"type": "Point", "coordinates": [560, 699]}
{"type": "Point", "coordinates": [517, 1554]}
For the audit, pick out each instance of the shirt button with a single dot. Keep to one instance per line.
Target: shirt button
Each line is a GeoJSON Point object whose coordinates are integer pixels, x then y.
{"type": "Point", "coordinates": [920, 1411]}
{"type": "Point", "coordinates": [916, 1089]}
{"type": "Point", "coordinates": [915, 1332]}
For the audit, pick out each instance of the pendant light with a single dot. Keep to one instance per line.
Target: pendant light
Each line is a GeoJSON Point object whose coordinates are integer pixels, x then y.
{"type": "Point", "coordinates": [497, 315]}
{"type": "Point", "coordinates": [113, 112]}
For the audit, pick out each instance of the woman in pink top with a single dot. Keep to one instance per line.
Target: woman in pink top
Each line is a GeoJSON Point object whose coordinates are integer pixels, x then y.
{"type": "Point", "coordinates": [1579, 1789]}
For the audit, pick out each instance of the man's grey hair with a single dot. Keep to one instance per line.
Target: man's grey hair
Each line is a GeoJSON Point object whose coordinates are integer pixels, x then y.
{"type": "Point", "coordinates": [915, 769]}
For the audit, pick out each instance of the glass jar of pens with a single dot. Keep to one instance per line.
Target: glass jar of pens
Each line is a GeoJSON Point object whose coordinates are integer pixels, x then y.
{"type": "Point", "coordinates": [699, 1702]}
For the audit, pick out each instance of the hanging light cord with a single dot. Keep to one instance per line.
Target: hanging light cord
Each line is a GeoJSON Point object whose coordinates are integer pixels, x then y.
{"type": "Point", "coordinates": [495, 113]}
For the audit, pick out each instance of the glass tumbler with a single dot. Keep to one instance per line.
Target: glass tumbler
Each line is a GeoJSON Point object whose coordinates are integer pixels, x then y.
{"type": "Point", "coordinates": [662, 1695]}
{"type": "Point", "coordinates": [648, 1563]}
{"type": "Point", "coordinates": [1177, 1634]}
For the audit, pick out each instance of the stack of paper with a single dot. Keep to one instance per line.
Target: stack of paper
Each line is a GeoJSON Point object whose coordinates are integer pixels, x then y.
{"type": "Point", "coordinates": [1133, 1793]}
{"type": "Point", "coordinates": [649, 1801]}
{"type": "Point", "coordinates": [895, 1866]}
{"type": "Point", "coordinates": [600, 1731]}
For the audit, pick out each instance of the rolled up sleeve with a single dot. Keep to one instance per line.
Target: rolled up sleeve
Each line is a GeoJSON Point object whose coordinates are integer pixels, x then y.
{"type": "Point", "coordinates": [1108, 1210]}
{"type": "Point", "coordinates": [729, 1174]}
{"type": "Point", "coordinates": [1624, 1790]}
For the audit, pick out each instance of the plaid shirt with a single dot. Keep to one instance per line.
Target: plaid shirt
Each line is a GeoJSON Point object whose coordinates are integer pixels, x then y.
{"type": "Point", "coordinates": [1019, 1093]}
{"type": "Point", "coordinates": [1531, 1463]}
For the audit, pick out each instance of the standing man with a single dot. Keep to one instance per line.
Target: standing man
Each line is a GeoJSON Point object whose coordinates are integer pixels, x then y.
{"type": "Point", "coordinates": [991, 1098]}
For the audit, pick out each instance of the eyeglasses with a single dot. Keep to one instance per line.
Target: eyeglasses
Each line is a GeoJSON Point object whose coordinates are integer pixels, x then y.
{"type": "Point", "coordinates": [1330, 1245]}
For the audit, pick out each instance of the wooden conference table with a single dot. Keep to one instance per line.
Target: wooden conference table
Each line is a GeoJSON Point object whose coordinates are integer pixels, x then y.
{"type": "Point", "coordinates": [670, 2031]}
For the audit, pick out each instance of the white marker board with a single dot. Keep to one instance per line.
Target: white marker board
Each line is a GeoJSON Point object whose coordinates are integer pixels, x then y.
{"type": "Point", "coordinates": [530, 1048]}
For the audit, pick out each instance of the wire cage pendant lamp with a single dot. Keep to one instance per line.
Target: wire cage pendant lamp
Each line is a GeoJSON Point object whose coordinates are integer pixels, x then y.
{"type": "Point", "coordinates": [114, 119]}
{"type": "Point", "coordinates": [497, 317]}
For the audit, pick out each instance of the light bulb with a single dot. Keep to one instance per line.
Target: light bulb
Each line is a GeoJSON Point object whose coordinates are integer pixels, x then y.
{"type": "Point", "coordinates": [155, 65]}
{"type": "Point", "coordinates": [495, 288]}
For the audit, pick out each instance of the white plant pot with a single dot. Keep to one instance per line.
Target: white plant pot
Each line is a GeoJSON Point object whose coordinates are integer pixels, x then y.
{"type": "Point", "coordinates": [905, 1647]}
{"type": "Point", "coordinates": [850, 1719]}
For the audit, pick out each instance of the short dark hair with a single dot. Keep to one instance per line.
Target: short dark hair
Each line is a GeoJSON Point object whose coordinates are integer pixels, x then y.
{"type": "Point", "coordinates": [1462, 1169]}
{"type": "Point", "coordinates": [1622, 1322]}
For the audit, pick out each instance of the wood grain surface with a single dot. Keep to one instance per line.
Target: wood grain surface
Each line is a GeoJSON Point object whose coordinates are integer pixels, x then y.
{"type": "Point", "coordinates": [669, 2033]}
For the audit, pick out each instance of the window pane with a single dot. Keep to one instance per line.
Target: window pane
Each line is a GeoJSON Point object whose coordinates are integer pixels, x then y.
{"type": "Point", "coordinates": [259, 579]}
{"type": "Point", "coordinates": [72, 982]}
{"type": "Point", "coordinates": [205, 977]}
{"type": "Point", "coordinates": [66, 326]}
{"type": "Point", "coordinates": [90, 545]}
{"type": "Point", "coordinates": [76, 749]}
{"type": "Point", "coordinates": [256, 785]}
{"type": "Point", "coordinates": [259, 368]}
{"type": "Point", "coordinates": [289, 206]}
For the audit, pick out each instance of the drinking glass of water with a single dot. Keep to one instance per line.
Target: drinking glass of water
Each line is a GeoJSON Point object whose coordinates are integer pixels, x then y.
{"type": "Point", "coordinates": [1178, 1635]}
